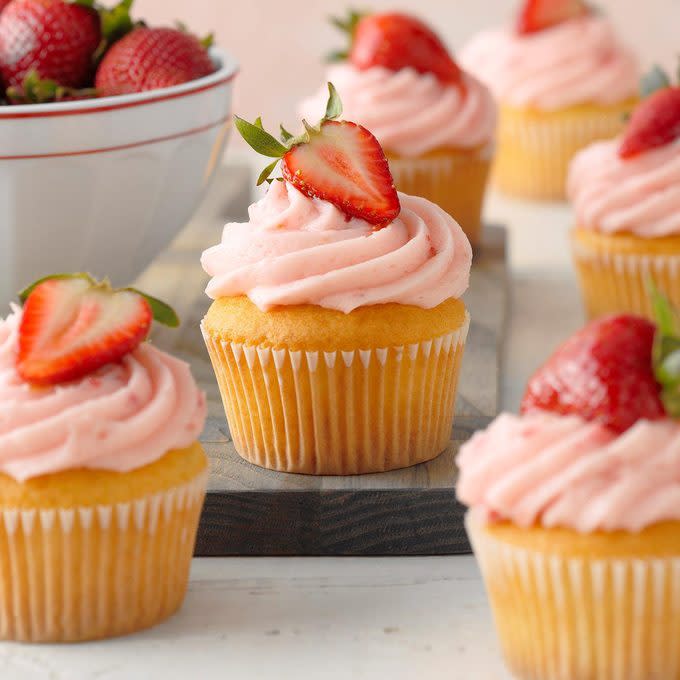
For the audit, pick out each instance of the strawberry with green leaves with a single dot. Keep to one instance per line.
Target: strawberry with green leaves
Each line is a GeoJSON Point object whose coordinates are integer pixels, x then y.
{"type": "Point", "coordinates": [396, 41]}
{"type": "Point", "coordinates": [335, 161]}
{"type": "Point", "coordinates": [49, 48]}
{"type": "Point", "coordinates": [615, 371]}
{"type": "Point", "coordinates": [72, 325]}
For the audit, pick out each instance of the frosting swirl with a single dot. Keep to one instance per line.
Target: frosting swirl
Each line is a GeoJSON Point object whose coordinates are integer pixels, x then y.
{"type": "Point", "coordinates": [561, 471]}
{"type": "Point", "coordinates": [639, 195]}
{"type": "Point", "coordinates": [575, 62]}
{"type": "Point", "coordinates": [122, 417]}
{"type": "Point", "coordinates": [298, 250]}
{"type": "Point", "coordinates": [410, 113]}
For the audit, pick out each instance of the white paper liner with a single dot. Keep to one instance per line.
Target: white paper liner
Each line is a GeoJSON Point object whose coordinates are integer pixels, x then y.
{"type": "Point", "coordinates": [567, 618]}
{"type": "Point", "coordinates": [82, 573]}
{"type": "Point", "coordinates": [339, 412]}
{"type": "Point", "coordinates": [548, 144]}
{"type": "Point", "coordinates": [622, 279]}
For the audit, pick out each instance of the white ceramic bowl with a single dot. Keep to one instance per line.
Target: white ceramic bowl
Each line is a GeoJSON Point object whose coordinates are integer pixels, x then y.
{"type": "Point", "coordinates": [103, 185]}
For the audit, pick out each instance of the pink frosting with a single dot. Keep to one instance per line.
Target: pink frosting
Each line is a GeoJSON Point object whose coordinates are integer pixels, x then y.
{"type": "Point", "coordinates": [560, 471]}
{"type": "Point", "coordinates": [410, 113]}
{"type": "Point", "coordinates": [124, 416]}
{"type": "Point", "coordinates": [575, 62]}
{"type": "Point", "coordinates": [298, 250]}
{"type": "Point", "coordinates": [640, 195]}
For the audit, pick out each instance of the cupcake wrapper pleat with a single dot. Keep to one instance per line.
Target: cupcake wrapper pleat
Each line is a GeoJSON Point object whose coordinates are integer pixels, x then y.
{"type": "Point", "coordinates": [339, 412]}
{"type": "Point", "coordinates": [456, 181]}
{"type": "Point", "coordinates": [613, 283]}
{"type": "Point", "coordinates": [567, 618]}
{"type": "Point", "coordinates": [534, 151]}
{"type": "Point", "coordinates": [74, 574]}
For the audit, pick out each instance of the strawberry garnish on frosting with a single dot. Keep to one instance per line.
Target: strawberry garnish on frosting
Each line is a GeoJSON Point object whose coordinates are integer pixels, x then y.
{"type": "Point", "coordinates": [538, 15]}
{"type": "Point", "coordinates": [603, 373]}
{"type": "Point", "coordinates": [656, 121]}
{"type": "Point", "coordinates": [336, 161]}
{"type": "Point", "coordinates": [73, 325]}
{"type": "Point", "coordinates": [616, 371]}
{"type": "Point", "coordinates": [397, 41]}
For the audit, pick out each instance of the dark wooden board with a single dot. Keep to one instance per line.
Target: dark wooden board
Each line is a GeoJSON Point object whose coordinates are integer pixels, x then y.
{"type": "Point", "coordinates": [252, 511]}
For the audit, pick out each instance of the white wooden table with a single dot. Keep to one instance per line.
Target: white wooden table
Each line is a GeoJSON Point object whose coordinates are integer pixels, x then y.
{"type": "Point", "coordinates": [344, 618]}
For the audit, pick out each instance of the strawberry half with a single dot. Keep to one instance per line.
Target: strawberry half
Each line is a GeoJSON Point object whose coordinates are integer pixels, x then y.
{"type": "Point", "coordinates": [655, 123]}
{"type": "Point", "coordinates": [537, 15]}
{"type": "Point", "coordinates": [72, 325]}
{"type": "Point", "coordinates": [337, 161]}
{"type": "Point", "coordinates": [604, 373]}
{"type": "Point", "coordinates": [344, 164]}
{"type": "Point", "coordinates": [397, 41]}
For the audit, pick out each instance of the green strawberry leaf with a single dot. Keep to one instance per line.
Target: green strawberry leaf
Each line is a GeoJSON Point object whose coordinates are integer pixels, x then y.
{"type": "Point", "coordinates": [666, 352]}
{"type": "Point", "coordinates": [285, 135]}
{"type": "Point", "coordinates": [162, 312]}
{"type": "Point", "coordinates": [334, 104]}
{"type": "Point", "coordinates": [348, 25]}
{"type": "Point", "coordinates": [264, 175]}
{"type": "Point", "coordinates": [655, 79]}
{"type": "Point", "coordinates": [258, 139]}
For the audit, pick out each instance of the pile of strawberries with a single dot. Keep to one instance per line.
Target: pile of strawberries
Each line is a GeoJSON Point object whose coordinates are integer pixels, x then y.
{"type": "Point", "coordinates": [57, 50]}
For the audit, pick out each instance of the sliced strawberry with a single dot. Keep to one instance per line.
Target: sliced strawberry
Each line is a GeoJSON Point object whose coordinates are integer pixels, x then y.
{"type": "Point", "coordinates": [73, 326]}
{"type": "Point", "coordinates": [397, 41]}
{"type": "Point", "coordinates": [537, 15]}
{"type": "Point", "coordinates": [344, 164]}
{"type": "Point", "coordinates": [604, 373]}
{"type": "Point", "coordinates": [655, 123]}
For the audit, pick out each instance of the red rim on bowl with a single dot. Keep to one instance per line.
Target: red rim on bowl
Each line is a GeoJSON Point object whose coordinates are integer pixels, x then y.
{"type": "Point", "coordinates": [226, 70]}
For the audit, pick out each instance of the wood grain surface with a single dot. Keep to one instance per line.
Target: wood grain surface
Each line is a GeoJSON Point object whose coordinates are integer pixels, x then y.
{"type": "Point", "coordinates": [252, 511]}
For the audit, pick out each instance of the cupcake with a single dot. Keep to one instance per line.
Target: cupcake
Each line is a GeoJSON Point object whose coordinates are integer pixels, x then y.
{"type": "Point", "coordinates": [575, 508]}
{"type": "Point", "coordinates": [626, 196]}
{"type": "Point", "coordinates": [337, 329]}
{"type": "Point", "coordinates": [435, 122]}
{"type": "Point", "coordinates": [563, 80]}
{"type": "Point", "coordinates": [101, 476]}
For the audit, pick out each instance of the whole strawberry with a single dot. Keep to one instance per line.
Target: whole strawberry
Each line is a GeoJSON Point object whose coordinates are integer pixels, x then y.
{"type": "Point", "coordinates": [538, 15]}
{"type": "Point", "coordinates": [55, 39]}
{"type": "Point", "coordinates": [604, 373]}
{"type": "Point", "coordinates": [152, 58]}
{"type": "Point", "coordinates": [655, 123]}
{"type": "Point", "coordinates": [396, 41]}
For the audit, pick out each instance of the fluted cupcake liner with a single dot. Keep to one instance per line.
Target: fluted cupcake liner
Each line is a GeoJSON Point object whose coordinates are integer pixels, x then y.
{"type": "Point", "coordinates": [534, 149]}
{"type": "Point", "coordinates": [573, 618]}
{"type": "Point", "coordinates": [455, 180]}
{"type": "Point", "coordinates": [82, 573]}
{"type": "Point", "coordinates": [339, 412]}
{"type": "Point", "coordinates": [616, 283]}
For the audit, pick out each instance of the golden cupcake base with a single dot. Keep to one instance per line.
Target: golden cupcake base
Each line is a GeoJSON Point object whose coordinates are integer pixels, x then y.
{"type": "Point", "coordinates": [315, 391]}
{"type": "Point", "coordinates": [584, 607]}
{"type": "Point", "coordinates": [613, 271]}
{"type": "Point", "coordinates": [535, 147]}
{"type": "Point", "coordinates": [91, 554]}
{"type": "Point", "coordinates": [454, 179]}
